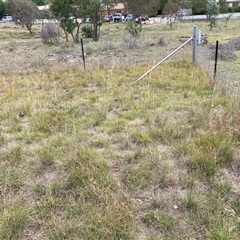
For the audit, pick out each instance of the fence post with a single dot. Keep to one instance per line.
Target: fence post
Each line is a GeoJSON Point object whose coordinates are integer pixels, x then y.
{"type": "Point", "coordinates": [83, 55]}
{"type": "Point", "coordinates": [216, 59]}
{"type": "Point", "coordinates": [194, 43]}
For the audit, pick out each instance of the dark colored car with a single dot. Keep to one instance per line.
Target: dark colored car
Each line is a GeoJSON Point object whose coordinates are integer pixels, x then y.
{"type": "Point", "coordinates": [142, 18]}
{"type": "Point", "coordinates": [145, 17]}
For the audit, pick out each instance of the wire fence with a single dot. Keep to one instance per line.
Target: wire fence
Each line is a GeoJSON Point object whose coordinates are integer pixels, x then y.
{"type": "Point", "coordinates": [221, 62]}
{"type": "Point", "coordinates": [227, 65]}
{"type": "Point", "coordinates": [222, 65]}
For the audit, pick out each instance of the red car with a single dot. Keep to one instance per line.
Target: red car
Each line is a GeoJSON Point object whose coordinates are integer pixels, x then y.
{"type": "Point", "coordinates": [108, 18]}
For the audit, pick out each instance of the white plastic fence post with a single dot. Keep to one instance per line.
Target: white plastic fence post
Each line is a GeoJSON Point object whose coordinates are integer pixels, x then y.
{"type": "Point", "coordinates": [199, 37]}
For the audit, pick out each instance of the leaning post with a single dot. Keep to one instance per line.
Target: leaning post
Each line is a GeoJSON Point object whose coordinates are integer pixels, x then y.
{"type": "Point", "coordinates": [83, 54]}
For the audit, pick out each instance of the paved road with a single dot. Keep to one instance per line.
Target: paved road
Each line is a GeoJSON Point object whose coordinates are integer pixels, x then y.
{"type": "Point", "coordinates": [164, 20]}
{"type": "Point", "coordinates": [220, 16]}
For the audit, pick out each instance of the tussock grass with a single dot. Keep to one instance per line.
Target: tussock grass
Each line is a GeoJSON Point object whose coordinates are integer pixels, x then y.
{"type": "Point", "coordinates": [207, 152]}
{"type": "Point", "coordinates": [96, 155]}
{"type": "Point", "coordinates": [14, 219]}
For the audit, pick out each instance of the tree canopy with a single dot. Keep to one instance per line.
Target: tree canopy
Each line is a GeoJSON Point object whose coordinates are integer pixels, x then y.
{"type": "Point", "coordinates": [212, 13]}
{"type": "Point", "coordinates": [68, 11]}
{"type": "Point", "coordinates": [2, 8]}
{"type": "Point", "coordinates": [39, 2]}
{"type": "Point", "coordinates": [25, 12]}
{"type": "Point", "coordinates": [138, 7]}
{"type": "Point", "coordinates": [223, 7]}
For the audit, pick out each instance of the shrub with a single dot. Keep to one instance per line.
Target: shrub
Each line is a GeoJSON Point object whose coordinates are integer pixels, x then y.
{"type": "Point", "coordinates": [130, 41]}
{"type": "Point", "coordinates": [134, 29]}
{"type": "Point", "coordinates": [162, 41]}
{"type": "Point", "coordinates": [87, 31]}
{"type": "Point", "coordinates": [50, 33]}
{"type": "Point", "coordinates": [212, 13]}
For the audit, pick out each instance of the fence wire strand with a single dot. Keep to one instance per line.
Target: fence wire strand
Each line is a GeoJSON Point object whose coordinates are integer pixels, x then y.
{"type": "Point", "coordinates": [228, 65]}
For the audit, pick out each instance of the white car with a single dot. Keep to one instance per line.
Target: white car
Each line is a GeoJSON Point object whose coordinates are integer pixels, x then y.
{"type": "Point", "coordinates": [129, 17]}
{"type": "Point", "coordinates": [7, 19]}
{"type": "Point", "coordinates": [118, 17]}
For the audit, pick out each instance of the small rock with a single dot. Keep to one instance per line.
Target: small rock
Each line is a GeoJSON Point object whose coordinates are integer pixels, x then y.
{"type": "Point", "coordinates": [21, 114]}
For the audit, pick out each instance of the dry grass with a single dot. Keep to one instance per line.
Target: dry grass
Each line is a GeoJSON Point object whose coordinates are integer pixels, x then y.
{"type": "Point", "coordinates": [94, 155]}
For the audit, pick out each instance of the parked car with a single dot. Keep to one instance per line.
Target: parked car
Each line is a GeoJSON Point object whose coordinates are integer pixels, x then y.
{"type": "Point", "coordinates": [138, 20]}
{"type": "Point", "coordinates": [118, 17]}
{"type": "Point", "coordinates": [88, 20]}
{"type": "Point", "coordinates": [142, 18]}
{"type": "Point", "coordinates": [145, 17]}
{"type": "Point", "coordinates": [129, 17]}
{"type": "Point", "coordinates": [7, 19]}
{"type": "Point", "coordinates": [108, 18]}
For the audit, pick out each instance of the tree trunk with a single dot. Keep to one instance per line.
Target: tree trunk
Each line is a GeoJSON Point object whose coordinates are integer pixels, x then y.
{"type": "Point", "coordinates": [77, 33]}
{"type": "Point", "coordinates": [29, 28]}
{"type": "Point", "coordinates": [96, 27]}
{"type": "Point", "coordinates": [74, 40]}
{"type": "Point", "coordinates": [66, 35]}
{"type": "Point", "coordinates": [108, 14]}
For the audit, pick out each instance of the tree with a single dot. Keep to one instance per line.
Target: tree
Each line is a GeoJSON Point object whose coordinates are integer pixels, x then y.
{"type": "Point", "coordinates": [172, 11]}
{"type": "Point", "coordinates": [162, 4]}
{"type": "Point", "coordinates": [63, 10]}
{"type": "Point", "coordinates": [7, 6]}
{"type": "Point", "coordinates": [79, 12]}
{"type": "Point", "coordinates": [25, 12]}
{"type": "Point", "coordinates": [2, 8]}
{"type": "Point", "coordinates": [93, 8]}
{"type": "Point", "coordinates": [45, 14]}
{"type": "Point", "coordinates": [68, 11]}
{"type": "Point", "coordinates": [39, 2]}
{"type": "Point", "coordinates": [212, 13]}
{"type": "Point", "coordinates": [223, 7]}
{"type": "Point", "coordinates": [185, 4]}
{"type": "Point", "coordinates": [199, 6]}
{"type": "Point", "coordinates": [139, 7]}
{"type": "Point", "coordinates": [134, 29]}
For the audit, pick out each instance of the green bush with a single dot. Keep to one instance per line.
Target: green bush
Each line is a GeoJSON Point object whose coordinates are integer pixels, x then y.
{"type": "Point", "coordinates": [134, 29]}
{"type": "Point", "coordinates": [237, 9]}
{"type": "Point", "coordinates": [230, 10]}
{"type": "Point", "coordinates": [87, 31]}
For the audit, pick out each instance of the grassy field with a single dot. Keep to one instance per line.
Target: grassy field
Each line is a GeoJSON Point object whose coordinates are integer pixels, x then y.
{"type": "Point", "coordinates": [93, 154]}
